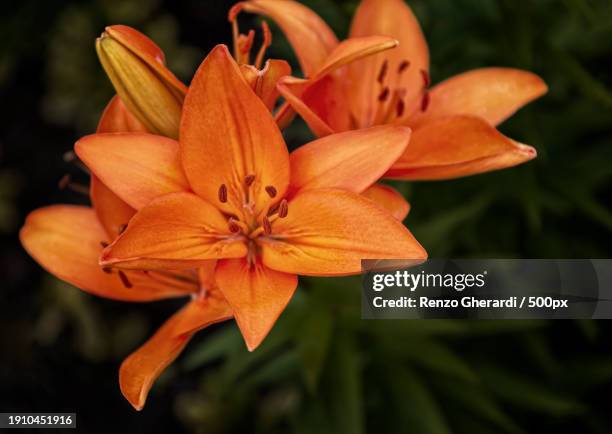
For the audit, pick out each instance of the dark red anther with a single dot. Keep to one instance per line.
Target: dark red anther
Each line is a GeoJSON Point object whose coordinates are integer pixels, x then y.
{"type": "Point", "coordinates": [104, 244]}
{"type": "Point", "coordinates": [426, 79]}
{"type": "Point", "coordinates": [223, 193]}
{"type": "Point", "coordinates": [399, 109]}
{"type": "Point", "coordinates": [233, 225]}
{"type": "Point", "coordinates": [383, 72]}
{"type": "Point", "coordinates": [122, 228]}
{"type": "Point", "coordinates": [63, 183]}
{"type": "Point", "coordinates": [403, 66]}
{"type": "Point", "coordinates": [382, 97]}
{"type": "Point", "coordinates": [271, 191]}
{"type": "Point", "coordinates": [107, 270]}
{"type": "Point", "coordinates": [425, 101]}
{"type": "Point", "coordinates": [283, 209]}
{"type": "Point", "coordinates": [267, 227]}
{"type": "Point", "coordinates": [249, 179]}
{"type": "Point", "coordinates": [124, 280]}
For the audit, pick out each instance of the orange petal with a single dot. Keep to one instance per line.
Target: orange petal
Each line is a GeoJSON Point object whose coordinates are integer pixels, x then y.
{"type": "Point", "coordinates": [458, 146]}
{"type": "Point", "coordinates": [493, 94]}
{"type": "Point", "coordinates": [321, 100]}
{"type": "Point", "coordinates": [117, 119]}
{"type": "Point", "coordinates": [329, 232]}
{"type": "Point", "coordinates": [140, 370]}
{"type": "Point", "coordinates": [311, 39]}
{"type": "Point", "coordinates": [137, 167]}
{"type": "Point", "coordinates": [395, 19]}
{"type": "Point", "coordinates": [257, 295]}
{"type": "Point", "coordinates": [390, 199]}
{"type": "Point", "coordinates": [112, 212]}
{"type": "Point", "coordinates": [353, 49]}
{"type": "Point", "coordinates": [264, 82]}
{"type": "Point", "coordinates": [227, 134]}
{"type": "Point", "coordinates": [315, 101]}
{"type": "Point", "coordinates": [351, 161]}
{"type": "Point", "coordinates": [175, 231]}
{"type": "Point", "coordinates": [66, 241]}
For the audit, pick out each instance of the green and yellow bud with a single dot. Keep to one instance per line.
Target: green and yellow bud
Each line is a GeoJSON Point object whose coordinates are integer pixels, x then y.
{"type": "Point", "coordinates": [135, 66]}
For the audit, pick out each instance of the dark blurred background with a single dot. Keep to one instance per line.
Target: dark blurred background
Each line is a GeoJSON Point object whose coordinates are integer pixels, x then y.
{"type": "Point", "coordinates": [322, 369]}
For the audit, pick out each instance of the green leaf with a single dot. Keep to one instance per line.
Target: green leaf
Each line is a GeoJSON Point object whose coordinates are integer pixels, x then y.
{"type": "Point", "coordinates": [525, 393]}
{"type": "Point", "coordinates": [314, 338]}
{"type": "Point", "coordinates": [438, 358]}
{"type": "Point", "coordinates": [220, 344]}
{"type": "Point", "coordinates": [478, 402]}
{"type": "Point", "coordinates": [416, 407]}
{"type": "Point", "coordinates": [344, 387]}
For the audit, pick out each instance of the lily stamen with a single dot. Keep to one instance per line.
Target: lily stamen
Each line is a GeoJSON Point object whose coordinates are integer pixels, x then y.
{"type": "Point", "coordinates": [223, 193]}
{"type": "Point", "coordinates": [383, 72]}
{"type": "Point", "coordinates": [425, 101]}
{"type": "Point", "coordinates": [66, 183]}
{"type": "Point", "coordinates": [233, 225]}
{"type": "Point", "coordinates": [267, 41]}
{"type": "Point", "coordinates": [403, 66]}
{"type": "Point", "coordinates": [124, 280]}
{"type": "Point", "coordinates": [283, 209]}
{"type": "Point", "coordinates": [384, 94]}
{"type": "Point", "coordinates": [267, 227]}
{"type": "Point", "coordinates": [249, 179]}
{"type": "Point", "coordinates": [426, 78]}
{"type": "Point", "coordinates": [271, 191]}
{"type": "Point", "coordinates": [399, 108]}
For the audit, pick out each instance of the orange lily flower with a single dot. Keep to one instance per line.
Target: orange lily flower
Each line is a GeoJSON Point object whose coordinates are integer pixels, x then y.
{"type": "Point", "coordinates": [236, 196]}
{"type": "Point", "coordinates": [316, 63]}
{"type": "Point", "coordinates": [136, 68]}
{"type": "Point", "coordinates": [453, 122]}
{"type": "Point", "coordinates": [67, 241]}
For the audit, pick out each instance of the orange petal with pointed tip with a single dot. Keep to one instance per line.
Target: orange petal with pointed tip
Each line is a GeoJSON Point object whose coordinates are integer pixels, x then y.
{"type": "Point", "coordinates": [257, 295]}
{"type": "Point", "coordinates": [353, 49]}
{"type": "Point", "coordinates": [351, 161]}
{"type": "Point", "coordinates": [322, 95]}
{"type": "Point", "coordinates": [329, 232]}
{"type": "Point", "coordinates": [137, 167]}
{"type": "Point", "coordinates": [458, 146]}
{"type": "Point", "coordinates": [493, 94]}
{"type": "Point", "coordinates": [66, 241]}
{"type": "Point", "coordinates": [390, 199]}
{"type": "Point", "coordinates": [140, 370]}
{"type": "Point", "coordinates": [227, 134]}
{"type": "Point", "coordinates": [322, 100]}
{"type": "Point", "coordinates": [176, 231]}
{"type": "Point", "coordinates": [311, 38]}
{"type": "Point", "coordinates": [112, 211]}
{"type": "Point", "coordinates": [395, 19]}
{"type": "Point", "coordinates": [117, 119]}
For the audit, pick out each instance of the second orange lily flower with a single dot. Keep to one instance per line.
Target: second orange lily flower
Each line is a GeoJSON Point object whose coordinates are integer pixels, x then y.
{"type": "Point", "coordinates": [453, 122]}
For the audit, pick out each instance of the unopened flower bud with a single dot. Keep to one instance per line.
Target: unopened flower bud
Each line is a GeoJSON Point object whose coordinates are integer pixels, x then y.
{"type": "Point", "coordinates": [135, 66]}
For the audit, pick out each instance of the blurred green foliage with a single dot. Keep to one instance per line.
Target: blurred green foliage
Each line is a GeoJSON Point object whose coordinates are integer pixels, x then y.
{"type": "Point", "coordinates": [323, 369]}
